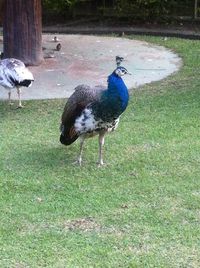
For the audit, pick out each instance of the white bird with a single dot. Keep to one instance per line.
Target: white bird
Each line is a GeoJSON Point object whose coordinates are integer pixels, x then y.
{"type": "Point", "coordinates": [14, 74]}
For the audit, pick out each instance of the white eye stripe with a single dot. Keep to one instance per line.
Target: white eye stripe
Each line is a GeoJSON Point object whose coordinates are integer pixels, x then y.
{"type": "Point", "coordinates": [120, 71]}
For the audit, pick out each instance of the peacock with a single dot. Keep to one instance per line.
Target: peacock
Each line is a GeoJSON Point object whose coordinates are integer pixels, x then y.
{"type": "Point", "coordinates": [14, 74]}
{"type": "Point", "coordinates": [95, 111]}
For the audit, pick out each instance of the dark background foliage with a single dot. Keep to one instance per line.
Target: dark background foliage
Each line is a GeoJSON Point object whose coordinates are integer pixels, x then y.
{"type": "Point", "coordinates": [132, 10]}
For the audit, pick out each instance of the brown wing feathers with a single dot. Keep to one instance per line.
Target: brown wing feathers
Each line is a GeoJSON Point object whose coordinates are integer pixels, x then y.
{"type": "Point", "coordinates": [73, 109]}
{"type": "Point", "coordinates": [82, 96]}
{"type": "Point", "coordinates": [68, 132]}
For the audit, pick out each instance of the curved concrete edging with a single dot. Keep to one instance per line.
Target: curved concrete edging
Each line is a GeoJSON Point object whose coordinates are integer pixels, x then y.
{"type": "Point", "coordinates": [179, 32]}
{"type": "Point", "coordinates": [86, 59]}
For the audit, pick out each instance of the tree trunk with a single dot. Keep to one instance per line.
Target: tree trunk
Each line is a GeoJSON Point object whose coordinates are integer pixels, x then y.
{"type": "Point", "coordinates": [22, 31]}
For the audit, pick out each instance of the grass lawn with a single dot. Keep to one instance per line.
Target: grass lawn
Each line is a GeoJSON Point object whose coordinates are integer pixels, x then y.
{"type": "Point", "coordinates": [141, 210]}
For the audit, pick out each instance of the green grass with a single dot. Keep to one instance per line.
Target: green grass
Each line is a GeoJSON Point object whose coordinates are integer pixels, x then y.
{"type": "Point", "coordinates": [141, 210]}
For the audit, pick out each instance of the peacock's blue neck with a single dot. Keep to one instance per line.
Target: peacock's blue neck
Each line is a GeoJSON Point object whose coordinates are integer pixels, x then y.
{"type": "Point", "coordinates": [113, 101]}
{"type": "Point", "coordinates": [118, 90]}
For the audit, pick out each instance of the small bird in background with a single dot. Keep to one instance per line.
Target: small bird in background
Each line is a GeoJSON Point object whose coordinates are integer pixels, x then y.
{"type": "Point", "coordinates": [55, 39]}
{"type": "Point", "coordinates": [94, 111]}
{"type": "Point", "coordinates": [14, 74]}
{"type": "Point", "coordinates": [58, 47]}
{"type": "Point", "coordinates": [51, 52]}
{"type": "Point", "coordinates": [119, 60]}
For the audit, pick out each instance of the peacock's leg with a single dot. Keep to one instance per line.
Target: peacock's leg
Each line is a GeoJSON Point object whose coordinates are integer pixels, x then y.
{"type": "Point", "coordinates": [79, 160]}
{"type": "Point", "coordinates": [19, 97]}
{"type": "Point", "coordinates": [9, 98]}
{"type": "Point", "coordinates": [101, 143]}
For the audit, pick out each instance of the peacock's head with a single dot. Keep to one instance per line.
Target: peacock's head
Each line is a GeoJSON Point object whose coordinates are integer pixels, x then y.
{"type": "Point", "coordinates": [120, 71]}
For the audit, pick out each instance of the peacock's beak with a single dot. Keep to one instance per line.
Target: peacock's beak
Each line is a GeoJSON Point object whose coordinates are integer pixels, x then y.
{"type": "Point", "coordinates": [129, 73]}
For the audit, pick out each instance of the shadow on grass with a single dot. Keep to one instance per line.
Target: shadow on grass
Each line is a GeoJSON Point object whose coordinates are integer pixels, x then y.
{"type": "Point", "coordinates": [54, 160]}
{"type": "Point", "coordinates": [45, 157]}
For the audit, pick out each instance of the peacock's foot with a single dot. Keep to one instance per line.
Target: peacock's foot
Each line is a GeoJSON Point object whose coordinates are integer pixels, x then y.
{"type": "Point", "coordinates": [20, 106]}
{"type": "Point", "coordinates": [78, 162]}
{"type": "Point", "coordinates": [100, 163]}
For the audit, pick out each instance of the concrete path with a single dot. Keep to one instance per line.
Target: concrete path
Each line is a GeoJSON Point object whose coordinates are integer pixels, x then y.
{"type": "Point", "coordinates": [85, 59]}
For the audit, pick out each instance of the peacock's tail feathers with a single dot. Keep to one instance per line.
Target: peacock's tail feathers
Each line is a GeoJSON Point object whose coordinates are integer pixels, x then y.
{"type": "Point", "coordinates": [68, 135]}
